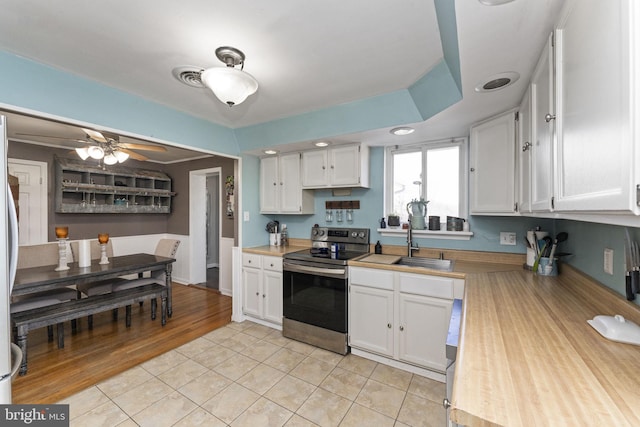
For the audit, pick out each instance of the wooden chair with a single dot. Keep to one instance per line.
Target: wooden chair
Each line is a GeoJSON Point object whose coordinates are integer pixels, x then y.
{"type": "Point", "coordinates": [38, 256]}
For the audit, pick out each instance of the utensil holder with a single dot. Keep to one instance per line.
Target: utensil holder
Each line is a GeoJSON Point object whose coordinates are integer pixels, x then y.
{"type": "Point", "coordinates": [544, 269]}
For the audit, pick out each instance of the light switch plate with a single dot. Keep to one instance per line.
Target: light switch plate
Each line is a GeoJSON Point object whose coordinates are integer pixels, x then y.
{"type": "Point", "coordinates": [246, 216]}
{"type": "Point", "coordinates": [608, 261]}
{"type": "Point", "coordinates": [507, 238]}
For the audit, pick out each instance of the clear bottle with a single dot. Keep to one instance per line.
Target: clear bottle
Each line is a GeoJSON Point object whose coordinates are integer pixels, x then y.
{"type": "Point", "coordinates": [284, 236]}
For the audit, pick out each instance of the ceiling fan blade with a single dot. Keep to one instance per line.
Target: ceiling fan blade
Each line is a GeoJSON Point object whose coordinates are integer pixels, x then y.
{"type": "Point", "coordinates": [142, 147]}
{"type": "Point", "coordinates": [134, 155]}
{"type": "Point", "coordinates": [55, 137]}
{"type": "Point", "coordinates": [94, 134]}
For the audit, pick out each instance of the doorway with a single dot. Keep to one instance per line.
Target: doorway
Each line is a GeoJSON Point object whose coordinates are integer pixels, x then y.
{"type": "Point", "coordinates": [204, 212]}
{"type": "Point", "coordinates": [32, 202]}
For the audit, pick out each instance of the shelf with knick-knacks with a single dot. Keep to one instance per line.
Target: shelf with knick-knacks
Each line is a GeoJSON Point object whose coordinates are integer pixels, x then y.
{"type": "Point", "coordinates": [85, 188]}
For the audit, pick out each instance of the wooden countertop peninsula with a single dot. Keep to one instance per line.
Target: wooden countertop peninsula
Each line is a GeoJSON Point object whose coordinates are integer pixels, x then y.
{"type": "Point", "coordinates": [528, 357]}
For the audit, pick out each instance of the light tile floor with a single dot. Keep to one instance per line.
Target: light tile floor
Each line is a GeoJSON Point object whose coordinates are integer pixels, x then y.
{"type": "Point", "coordinates": [246, 374]}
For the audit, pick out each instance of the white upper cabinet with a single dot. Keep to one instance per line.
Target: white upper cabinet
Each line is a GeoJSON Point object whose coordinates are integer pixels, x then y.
{"type": "Point", "coordinates": [543, 121]}
{"type": "Point", "coordinates": [524, 150]}
{"type": "Point", "coordinates": [597, 71]}
{"type": "Point", "coordinates": [493, 166]}
{"type": "Point", "coordinates": [280, 187]}
{"type": "Point", "coordinates": [341, 166]}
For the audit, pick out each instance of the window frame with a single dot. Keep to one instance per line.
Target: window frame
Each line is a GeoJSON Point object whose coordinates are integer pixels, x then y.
{"type": "Point", "coordinates": [463, 190]}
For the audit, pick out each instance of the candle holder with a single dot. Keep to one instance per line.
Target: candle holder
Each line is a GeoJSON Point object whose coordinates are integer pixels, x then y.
{"type": "Point", "coordinates": [62, 254]}
{"type": "Point", "coordinates": [103, 239]}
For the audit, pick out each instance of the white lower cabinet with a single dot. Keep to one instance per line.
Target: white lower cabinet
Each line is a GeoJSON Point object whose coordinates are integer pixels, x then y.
{"type": "Point", "coordinates": [401, 316]}
{"type": "Point", "coordinates": [262, 287]}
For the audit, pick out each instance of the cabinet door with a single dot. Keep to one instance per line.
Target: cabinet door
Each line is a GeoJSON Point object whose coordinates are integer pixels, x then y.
{"type": "Point", "coordinates": [269, 185]}
{"type": "Point", "coordinates": [492, 158]}
{"type": "Point", "coordinates": [290, 188]}
{"type": "Point", "coordinates": [524, 152]}
{"type": "Point", "coordinates": [542, 99]}
{"type": "Point", "coordinates": [272, 296]}
{"type": "Point", "coordinates": [252, 291]}
{"type": "Point", "coordinates": [422, 329]}
{"type": "Point", "coordinates": [314, 169]}
{"type": "Point", "coordinates": [344, 165]}
{"type": "Point", "coordinates": [371, 319]}
{"type": "Point", "coordinates": [595, 146]}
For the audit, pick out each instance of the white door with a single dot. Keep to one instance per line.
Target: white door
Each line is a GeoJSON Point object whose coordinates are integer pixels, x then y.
{"type": "Point", "coordinates": [523, 151]}
{"type": "Point", "coordinates": [314, 168]}
{"type": "Point", "coordinates": [371, 319]}
{"type": "Point", "coordinates": [272, 296]}
{"type": "Point", "coordinates": [290, 191]}
{"type": "Point", "coordinates": [344, 165]}
{"type": "Point", "coordinates": [492, 166]}
{"type": "Point", "coordinates": [32, 203]}
{"type": "Point", "coordinates": [269, 185]}
{"type": "Point", "coordinates": [422, 330]}
{"type": "Point", "coordinates": [543, 122]}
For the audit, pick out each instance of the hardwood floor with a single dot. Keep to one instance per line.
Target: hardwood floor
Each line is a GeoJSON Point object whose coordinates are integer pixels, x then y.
{"type": "Point", "coordinates": [111, 348]}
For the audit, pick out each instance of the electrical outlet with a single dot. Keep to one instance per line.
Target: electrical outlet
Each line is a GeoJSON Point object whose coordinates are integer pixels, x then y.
{"type": "Point", "coordinates": [608, 261]}
{"type": "Point", "coordinates": [507, 238]}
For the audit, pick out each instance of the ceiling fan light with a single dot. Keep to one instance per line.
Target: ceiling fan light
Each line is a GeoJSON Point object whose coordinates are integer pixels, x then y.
{"type": "Point", "coordinates": [95, 152]}
{"type": "Point", "coordinates": [121, 156]}
{"type": "Point", "coordinates": [83, 153]}
{"type": "Point", "coordinates": [110, 159]}
{"type": "Point", "coordinates": [230, 85]}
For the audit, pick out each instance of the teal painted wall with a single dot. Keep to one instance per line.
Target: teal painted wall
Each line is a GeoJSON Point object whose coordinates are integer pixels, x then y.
{"type": "Point", "coordinates": [30, 85]}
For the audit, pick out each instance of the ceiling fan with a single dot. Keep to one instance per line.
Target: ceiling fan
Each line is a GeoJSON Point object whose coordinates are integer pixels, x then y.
{"type": "Point", "coordinates": [106, 147]}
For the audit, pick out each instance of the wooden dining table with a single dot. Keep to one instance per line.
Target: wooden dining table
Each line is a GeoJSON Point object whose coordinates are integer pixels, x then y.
{"type": "Point", "coordinates": [36, 279]}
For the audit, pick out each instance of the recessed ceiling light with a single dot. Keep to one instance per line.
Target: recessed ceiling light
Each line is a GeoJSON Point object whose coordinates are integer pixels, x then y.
{"type": "Point", "coordinates": [494, 2]}
{"type": "Point", "coordinates": [321, 144]}
{"type": "Point", "coordinates": [270, 152]}
{"type": "Point", "coordinates": [498, 81]}
{"type": "Point", "coordinates": [402, 130]}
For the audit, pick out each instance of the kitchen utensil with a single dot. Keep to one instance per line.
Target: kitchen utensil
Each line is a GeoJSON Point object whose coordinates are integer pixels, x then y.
{"type": "Point", "coordinates": [616, 328]}
{"type": "Point", "coordinates": [560, 237]}
{"type": "Point", "coordinates": [628, 265]}
{"type": "Point", "coordinates": [547, 246]}
{"type": "Point", "coordinates": [537, 263]}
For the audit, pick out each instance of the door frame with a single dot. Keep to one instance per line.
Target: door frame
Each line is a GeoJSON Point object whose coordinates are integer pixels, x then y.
{"type": "Point", "coordinates": [44, 195]}
{"type": "Point", "coordinates": [197, 216]}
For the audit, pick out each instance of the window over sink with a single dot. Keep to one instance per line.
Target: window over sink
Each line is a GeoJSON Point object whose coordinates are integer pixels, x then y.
{"type": "Point", "coordinates": [435, 171]}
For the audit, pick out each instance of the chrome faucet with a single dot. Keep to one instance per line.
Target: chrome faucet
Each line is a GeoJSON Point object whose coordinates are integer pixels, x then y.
{"type": "Point", "coordinates": [410, 245]}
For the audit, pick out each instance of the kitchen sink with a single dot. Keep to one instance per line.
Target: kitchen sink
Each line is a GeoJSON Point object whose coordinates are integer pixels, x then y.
{"type": "Point", "coordinates": [432, 263]}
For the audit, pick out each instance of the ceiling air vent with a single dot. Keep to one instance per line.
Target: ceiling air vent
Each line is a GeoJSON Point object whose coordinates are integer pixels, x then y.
{"type": "Point", "coordinates": [498, 81]}
{"type": "Point", "coordinates": [189, 75]}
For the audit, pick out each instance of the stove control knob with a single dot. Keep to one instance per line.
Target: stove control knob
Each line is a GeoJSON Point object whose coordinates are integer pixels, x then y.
{"type": "Point", "coordinates": [314, 231]}
{"type": "Point", "coordinates": [361, 234]}
{"type": "Point", "coordinates": [322, 232]}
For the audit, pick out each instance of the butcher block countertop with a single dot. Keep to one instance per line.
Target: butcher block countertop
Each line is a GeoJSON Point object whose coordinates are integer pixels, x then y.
{"type": "Point", "coordinates": [528, 357]}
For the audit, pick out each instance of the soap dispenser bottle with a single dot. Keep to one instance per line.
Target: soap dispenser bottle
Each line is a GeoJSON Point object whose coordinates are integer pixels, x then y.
{"type": "Point", "coordinates": [378, 248]}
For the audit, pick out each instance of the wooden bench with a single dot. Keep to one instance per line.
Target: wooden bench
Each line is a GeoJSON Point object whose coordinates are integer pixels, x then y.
{"type": "Point", "coordinates": [40, 317]}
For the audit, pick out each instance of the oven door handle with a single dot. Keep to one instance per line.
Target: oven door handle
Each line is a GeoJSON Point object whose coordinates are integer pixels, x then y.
{"type": "Point", "coordinates": [331, 272]}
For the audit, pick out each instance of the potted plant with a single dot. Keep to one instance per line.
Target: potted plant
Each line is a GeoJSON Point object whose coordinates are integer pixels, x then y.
{"type": "Point", "coordinates": [393, 219]}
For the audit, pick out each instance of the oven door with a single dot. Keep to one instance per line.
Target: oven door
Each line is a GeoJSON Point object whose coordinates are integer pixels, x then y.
{"type": "Point", "coordinates": [315, 295]}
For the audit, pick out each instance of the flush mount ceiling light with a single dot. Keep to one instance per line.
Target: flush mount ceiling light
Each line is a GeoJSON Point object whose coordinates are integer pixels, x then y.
{"type": "Point", "coordinates": [402, 130]}
{"type": "Point", "coordinates": [229, 84]}
{"type": "Point", "coordinates": [270, 152]}
{"type": "Point", "coordinates": [498, 81]}
{"type": "Point", "coordinates": [494, 2]}
{"type": "Point", "coordinates": [321, 144]}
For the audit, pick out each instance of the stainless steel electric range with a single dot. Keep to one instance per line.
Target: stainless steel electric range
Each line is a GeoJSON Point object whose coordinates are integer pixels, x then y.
{"type": "Point", "coordinates": [315, 287]}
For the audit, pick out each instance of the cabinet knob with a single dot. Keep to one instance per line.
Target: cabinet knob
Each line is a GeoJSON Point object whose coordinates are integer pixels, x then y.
{"type": "Point", "coordinates": [526, 146]}
{"type": "Point", "coordinates": [281, 184]}
{"type": "Point", "coordinates": [275, 183]}
{"type": "Point", "coordinates": [257, 294]}
{"type": "Point", "coordinates": [402, 328]}
{"type": "Point", "coordinates": [548, 117]}
{"type": "Point", "coordinates": [264, 296]}
{"type": "Point", "coordinates": [472, 169]}
{"type": "Point", "coordinates": [331, 166]}
{"type": "Point", "coordinates": [389, 325]}
{"type": "Point", "coordinates": [249, 261]}
{"type": "Point", "coordinates": [446, 403]}
{"type": "Point", "coordinates": [323, 167]}
{"type": "Point", "coordinates": [271, 265]}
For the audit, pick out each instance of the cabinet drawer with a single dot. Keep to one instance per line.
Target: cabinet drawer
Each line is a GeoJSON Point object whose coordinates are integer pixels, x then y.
{"type": "Point", "coordinates": [251, 260]}
{"type": "Point", "coordinates": [431, 286]}
{"type": "Point", "coordinates": [272, 263]}
{"type": "Point", "coordinates": [370, 277]}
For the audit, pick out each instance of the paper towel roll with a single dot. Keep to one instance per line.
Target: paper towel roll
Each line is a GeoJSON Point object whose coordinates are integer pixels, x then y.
{"type": "Point", "coordinates": [84, 253]}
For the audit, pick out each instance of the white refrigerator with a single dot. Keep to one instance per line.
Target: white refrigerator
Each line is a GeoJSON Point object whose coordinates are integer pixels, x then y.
{"type": "Point", "coordinates": [8, 262]}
